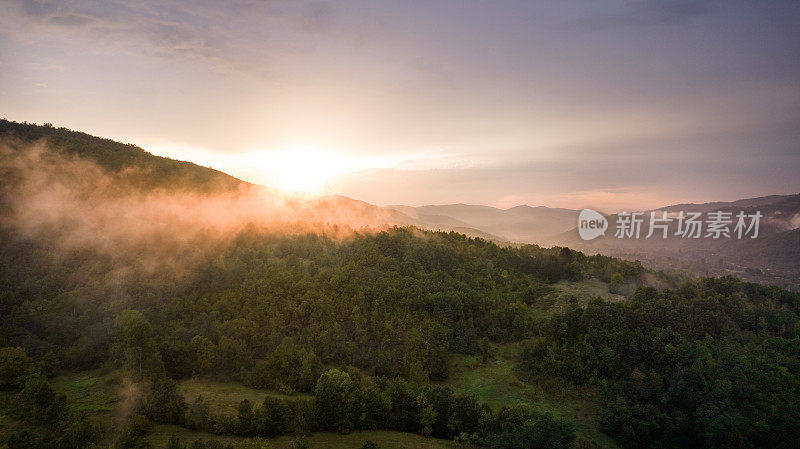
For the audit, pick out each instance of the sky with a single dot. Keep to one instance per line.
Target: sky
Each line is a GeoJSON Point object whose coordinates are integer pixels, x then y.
{"type": "Point", "coordinates": [605, 104]}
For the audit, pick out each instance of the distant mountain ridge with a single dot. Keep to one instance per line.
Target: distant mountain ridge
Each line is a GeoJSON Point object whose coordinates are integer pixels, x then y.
{"type": "Point", "coordinates": [523, 224]}
{"type": "Point", "coordinates": [747, 203]}
{"type": "Point", "coordinates": [772, 257]}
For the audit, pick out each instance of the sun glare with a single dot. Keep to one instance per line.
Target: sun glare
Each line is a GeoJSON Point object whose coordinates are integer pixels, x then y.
{"type": "Point", "coordinates": [300, 169]}
{"type": "Point", "coordinates": [304, 170]}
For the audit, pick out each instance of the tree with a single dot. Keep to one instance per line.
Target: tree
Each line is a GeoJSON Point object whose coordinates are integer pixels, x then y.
{"type": "Point", "coordinates": [231, 359]}
{"type": "Point", "coordinates": [272, 417]}
{"type": "Point", "coordinates": [513, 417]}
{"type": "Point", "coordinates": [485, 349]}
{"type": "Point", "coordinates": [38, 403]}
{"type": "Point", "coordinates": [246, 417]}
{"type": "Point", "coordinates": [427, 414]}
{"type": "Point", "coordinates": [334, 409]}
{"type": "Point", "coordinates": [204, 351]}
{"type": "Point", "coordinates": [48, 365]}
{"type": "Point", "coordinates": [541, 432]}
{"type": "Point", "coordinates": [293, 366]}
{"type": "Point", "coordinates": [466, 413]}
{"type": "Point", "coordinates": [135, 345]}
{"type": "Point", "coordinates": [403, 413]}
{"type": "Point", "coordinates": [178, 356]}
{"type": "Point", "coordinates": [75, 432]}
{"type": "Point", "coordinates": [617, 281]}
{"type": "Point", "coordinates": [375, 411]}
{"type": "Point", "coordinates": [164, 404]}
{"type": "Point", "coordinates": [133, 434]}
{"type": "Point", "coordinates": [14, 367]}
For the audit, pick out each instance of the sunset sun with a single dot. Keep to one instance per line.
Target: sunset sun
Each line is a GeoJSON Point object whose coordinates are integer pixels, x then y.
{"type": "Point", "coordinates": [302, 169]}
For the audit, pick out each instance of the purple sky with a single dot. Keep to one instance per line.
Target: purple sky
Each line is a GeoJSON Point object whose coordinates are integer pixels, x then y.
{"type": "Point", "coordinates": [606, 104]}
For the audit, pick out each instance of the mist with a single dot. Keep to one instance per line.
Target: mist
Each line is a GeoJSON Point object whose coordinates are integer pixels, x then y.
{"type": "Point", "coordinates": [72, 204]}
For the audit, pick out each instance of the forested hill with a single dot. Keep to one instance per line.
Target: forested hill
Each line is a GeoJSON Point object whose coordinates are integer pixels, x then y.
{"type": "Point", "coordinates": [373, 326]}
{"type": "Point", "coordinates": [404, 330]}
{"type": "Point", "coordinates": [149, 171]}
{"type": "Point", "coordinates": [48, 159]}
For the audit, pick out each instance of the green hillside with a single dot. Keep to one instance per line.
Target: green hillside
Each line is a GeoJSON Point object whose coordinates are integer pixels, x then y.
{"type": "Point", "coordinates": [153, 172]}
{"type": "Point", "coordinates": [404, 337]}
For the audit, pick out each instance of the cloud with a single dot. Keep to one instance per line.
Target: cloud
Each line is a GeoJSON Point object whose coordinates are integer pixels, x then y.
{"type": "Point", "coordinates": [225, 36]}
{"type": "Point", "coordinates": [706, 91]}
{"type": "Point", "coordinates": [645, 13]}
{"type": "Point", "coordinates": [113, 25]}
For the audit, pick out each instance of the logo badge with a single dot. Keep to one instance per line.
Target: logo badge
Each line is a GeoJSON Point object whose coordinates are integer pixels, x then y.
{"type": "Point", "coordinates": [591, 224]}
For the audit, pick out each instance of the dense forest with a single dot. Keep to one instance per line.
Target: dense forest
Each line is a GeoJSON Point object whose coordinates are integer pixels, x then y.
{"type": "Point", "coordinates": [358, 331]}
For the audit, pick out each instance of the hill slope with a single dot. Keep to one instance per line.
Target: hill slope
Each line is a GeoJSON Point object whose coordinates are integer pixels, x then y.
{"type": "Point", "coordinates": [154, 171]}
{"type": "Point", "coordinates": [153, 295]}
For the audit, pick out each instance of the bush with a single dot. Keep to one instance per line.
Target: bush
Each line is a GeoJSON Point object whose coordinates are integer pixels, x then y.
{"type": "Point", "coordinates": [132, 436]}
{"type": "Point", "coordinates": [175, 443]}
{"type": "Point", "coordinates": [253, 443]}
{"type": "Point", "coordinates": [197, 416]}
{"type": "Point", "coordinates": [300, 443]}
{"type": "Point", "coordinates": [164, 404]}
{"type": "Point", "coordinates": [209, 444]}
{"type": "Point", "coordinates": [369, 444]}
{"type": "Point", "coordinates": [542, 431]}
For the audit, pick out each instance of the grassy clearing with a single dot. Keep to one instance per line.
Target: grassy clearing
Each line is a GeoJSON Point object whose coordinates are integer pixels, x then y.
{"type": "Point", "coordinates": [98, 395]}
{"type": "Point", "coordinates": [585, 290]}
{"type": "Point", "coordinates": [565, 291]}
{"type": "Point", "coordinates": [160, 434]}
{"type": "Point", "coordinates": [87, 392]}
{"type": "Point", "coordinates": [497, 384]}
{"type": "Point", "coordinates": [224, 397]}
